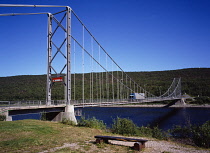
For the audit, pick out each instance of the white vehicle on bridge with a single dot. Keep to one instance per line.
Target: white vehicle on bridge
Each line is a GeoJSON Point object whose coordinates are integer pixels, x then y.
{"type": "Point", "coordinates": [137, 96]}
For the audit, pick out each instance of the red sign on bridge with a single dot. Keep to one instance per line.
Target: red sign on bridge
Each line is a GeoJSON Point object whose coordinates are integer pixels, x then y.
{"type": "Point", "coordinates": [57, 79]}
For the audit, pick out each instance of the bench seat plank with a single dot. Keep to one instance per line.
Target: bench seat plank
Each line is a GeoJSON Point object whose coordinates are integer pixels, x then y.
{"type": "Point", "coordinates": [138, 145]}
{"type": "Point", "coordinates": [120, 138]}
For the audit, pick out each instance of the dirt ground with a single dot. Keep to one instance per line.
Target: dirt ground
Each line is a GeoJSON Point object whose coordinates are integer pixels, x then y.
{"type": "Point", "coordinates": [152, 146]}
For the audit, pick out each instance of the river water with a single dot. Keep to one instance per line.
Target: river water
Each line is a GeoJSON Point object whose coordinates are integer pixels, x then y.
{"type": "Point", "coordinates": [165, 118]}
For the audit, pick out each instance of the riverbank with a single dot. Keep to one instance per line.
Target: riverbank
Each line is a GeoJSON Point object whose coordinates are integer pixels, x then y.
{"type": "Point", "coordinates": [45, 136]}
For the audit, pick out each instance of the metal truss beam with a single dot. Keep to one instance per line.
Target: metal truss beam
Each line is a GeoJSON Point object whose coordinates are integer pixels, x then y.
{"type": "Point", "coordinates": [20, 5]}
{"type": "Point", "coordinates": [14, 14]}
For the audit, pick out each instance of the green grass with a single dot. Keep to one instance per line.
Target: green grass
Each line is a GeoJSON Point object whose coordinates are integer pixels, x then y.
{"type": "Point", "coordinates": [36, 136]}
{"type": "Point", "coordinates": [19, 135]}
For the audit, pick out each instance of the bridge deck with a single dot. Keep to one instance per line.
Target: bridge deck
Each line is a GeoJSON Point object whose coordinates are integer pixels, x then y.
{"type": "Point", "coordinates": [4, 106]}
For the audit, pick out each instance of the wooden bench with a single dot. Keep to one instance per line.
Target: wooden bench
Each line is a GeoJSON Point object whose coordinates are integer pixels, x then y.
{"type": "Point", "coordinates": [138, 145]}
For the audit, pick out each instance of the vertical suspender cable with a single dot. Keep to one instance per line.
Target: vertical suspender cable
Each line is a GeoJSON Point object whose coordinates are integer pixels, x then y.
{"type": "Point", "coordinates": [122, 87]}
{"type": "Point", "coordinates": [91, 70]}
{"type": "Point", "coordinates": [99, 56]}
{"type": "Point", "coordinates": [112, 82]}
{"type": "Point", "coordinates": [97, 87]}
{"type": "Point", "coordinates": [130, 86]}
{"type": "Point", "coordinates": [74, 72]}
{"type": "Point", "coordinates": [126, 85]}
{"type": "Point", "coordinates": [83, 64]}
{"type": "Point", "coordinates": [108, 86]}
{"type": "Point", "coordinates": [90, 88]}
{"type": "Point", "coordinates": [107, 77]}
{"type": "Point", "coordinates": [117, 86]}
{"type": "Point", "coordinates": [102, 85]}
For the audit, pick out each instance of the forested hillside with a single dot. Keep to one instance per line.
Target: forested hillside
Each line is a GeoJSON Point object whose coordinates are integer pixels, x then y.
{"type": "Point", "coordinates": [195, 81]}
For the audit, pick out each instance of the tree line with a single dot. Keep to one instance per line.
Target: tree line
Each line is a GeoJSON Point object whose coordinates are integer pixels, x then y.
{"type": "Point", "coordinates": [195, 82]}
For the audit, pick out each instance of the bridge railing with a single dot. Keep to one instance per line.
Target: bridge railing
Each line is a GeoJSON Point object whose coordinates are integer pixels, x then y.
{"type": "Point", "coordinates": [30, 103]}
{"type": "Point", "coordinates": [21, 103]}
{"type": "Point", "coordinates": [98, 102]}
{"type": "Point", "coordinates": [83, 103]}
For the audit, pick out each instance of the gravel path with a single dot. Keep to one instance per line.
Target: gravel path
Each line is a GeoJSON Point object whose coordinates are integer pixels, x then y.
{"type": "Point", "coordinates": [152, 146]}
{"type": "Point", "coordinates": [165, 146]}
{"type": "Point", "coordinates": [156, 146]}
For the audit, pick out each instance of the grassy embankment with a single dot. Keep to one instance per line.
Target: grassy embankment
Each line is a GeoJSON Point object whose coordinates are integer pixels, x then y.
{"type": "Point", "coordinates": [36, 136]}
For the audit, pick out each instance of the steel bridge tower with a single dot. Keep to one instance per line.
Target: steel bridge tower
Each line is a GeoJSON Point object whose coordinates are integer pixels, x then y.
{"type": "Point", "coordinates": [67, 67]}
{"type": "Point", "coordinates": [50, 43]}
{"type": "Point", "coordinates": [65, 72]}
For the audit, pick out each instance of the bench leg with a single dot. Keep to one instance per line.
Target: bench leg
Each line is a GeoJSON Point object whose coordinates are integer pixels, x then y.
{"type": "Point", "coordinates": [106, 141]}
{"type": "Point", "coordinates": [138, 146]}
{"type": "Point", "coordinates": [99, 140]}
{"type": "Point", "coordinates": [143, 144]}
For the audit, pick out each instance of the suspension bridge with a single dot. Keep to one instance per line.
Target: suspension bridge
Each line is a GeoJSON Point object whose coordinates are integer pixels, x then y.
{"type": "Point", "coordinates": [101, 81]}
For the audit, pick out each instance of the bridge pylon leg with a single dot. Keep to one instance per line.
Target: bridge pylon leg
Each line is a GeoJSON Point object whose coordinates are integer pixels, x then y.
{"type": "Point", "coordinates": [69, 113]}
{"type": "Point", "coordinates": [8, 118]}
{"type": "Point", "coordinates": [180, 102]}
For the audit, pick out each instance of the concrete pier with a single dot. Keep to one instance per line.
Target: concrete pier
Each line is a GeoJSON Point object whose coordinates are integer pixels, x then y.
{"type": "Point", "coordinates": [8, 118]}
{"type": "Point", "coordinates": [181, 102]}
{"type": "Point", "coordinates": [5, 112]}
{"type": "Point", "coordinates": [68, 114]}
{"type": "Point", "coordinates": [64, 111]}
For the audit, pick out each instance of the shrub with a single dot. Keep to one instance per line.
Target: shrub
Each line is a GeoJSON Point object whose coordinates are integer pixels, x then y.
{"type": "Point", "coordinates": [2, 117]}
{"type": "Point", "coordinates": [92, 123]}
{"type": "Point", "coordinates": [43, 116]}
{"type": "Point", "coordinates": [158, 133]}
{"type": "Point", "coordinates": [68, 122]}
{"type": "Point", "coordinates": [145, 131]}
{"type": "Point", "coordinates": [202, 100]}
{"type": "Point", "coordinates": [124, 126]}
{"type": "Point", "coordinates": [181, 132]}
{"type": "Point", "coordinates": [201, 135]}
{"type": "Point", "coordinates": [154, 132]}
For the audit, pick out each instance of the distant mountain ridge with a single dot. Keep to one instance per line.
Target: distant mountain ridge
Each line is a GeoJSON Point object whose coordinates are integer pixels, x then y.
{"type": "Point", "coordinates": [195, 81]}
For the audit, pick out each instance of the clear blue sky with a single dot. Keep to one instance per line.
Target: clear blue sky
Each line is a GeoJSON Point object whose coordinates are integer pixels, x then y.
{"type": "Point", "coordinates": [140, 35]}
